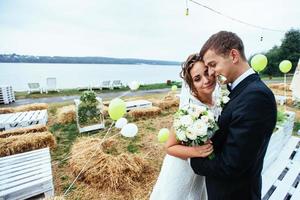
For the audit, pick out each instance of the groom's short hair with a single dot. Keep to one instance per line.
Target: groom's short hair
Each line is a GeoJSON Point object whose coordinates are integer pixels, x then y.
{"type": "Point", "coordinates": [222, 43]}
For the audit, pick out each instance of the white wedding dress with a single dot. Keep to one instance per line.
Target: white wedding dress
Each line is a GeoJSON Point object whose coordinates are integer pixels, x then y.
{"type": "Point", "coordinates": [177, 180]}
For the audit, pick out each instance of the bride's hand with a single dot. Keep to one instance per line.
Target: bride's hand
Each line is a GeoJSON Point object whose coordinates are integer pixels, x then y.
{"type": "Point", "coordinates": [203, 150]}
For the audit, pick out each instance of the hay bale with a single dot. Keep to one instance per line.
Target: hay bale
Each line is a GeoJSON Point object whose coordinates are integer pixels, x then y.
{"type": "Point", "coordinates": [144, 112]}
{"type": "Point", "coordinates": [21, 131]}
{"type": "Point", "coordinates": [29, 107]}
{"type": "Point", "coordinates": [289, 102]}
{"type": "Point", "coordinates": [105, 111]}
{"type": "Point", "coordinates": [6, 110]}
{"type": "Point", "coordinates": [274, 86]}
{"type": "Point", "coordinates": [24, 108]}
{"type": "Point", "coordinates": [166, 103]}
{"type": "Point", "coordinates": [279, 86]}
{"type": "Point", "coordinates": [23, 143]}
{"type": "Point", "coordinates": [66, 114]}
{"type": "Point", "coordinates": [106, 171]}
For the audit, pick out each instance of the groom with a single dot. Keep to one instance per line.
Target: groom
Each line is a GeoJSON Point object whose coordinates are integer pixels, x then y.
{"type": "Point", "coordinates": [245, 125]}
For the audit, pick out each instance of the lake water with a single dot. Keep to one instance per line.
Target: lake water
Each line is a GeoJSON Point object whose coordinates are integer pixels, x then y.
{"type": "Point", "coordinates": [83, 75]}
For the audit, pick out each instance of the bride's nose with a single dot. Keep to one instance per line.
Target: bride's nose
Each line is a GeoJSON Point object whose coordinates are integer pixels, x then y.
{"type": "Point", "coordinates": [206, 80]}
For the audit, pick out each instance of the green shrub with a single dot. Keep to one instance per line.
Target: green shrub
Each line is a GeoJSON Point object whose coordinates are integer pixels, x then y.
{"type": "Point", "coordinates": [281, 117]}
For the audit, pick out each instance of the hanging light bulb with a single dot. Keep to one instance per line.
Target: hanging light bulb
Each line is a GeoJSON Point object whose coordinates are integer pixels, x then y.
{"type": "Point", "coordinates": [187, 8]}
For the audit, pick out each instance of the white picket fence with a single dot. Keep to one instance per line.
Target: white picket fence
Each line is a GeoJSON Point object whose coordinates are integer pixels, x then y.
{"type": "Point", "coordinates": [26, 175]}
{"type": "Point", "coordinates": [23, 119]}
{"type": "Point", "coordinates": [7, 94]}
{"type": "Point", "coordinates": [281, 172]}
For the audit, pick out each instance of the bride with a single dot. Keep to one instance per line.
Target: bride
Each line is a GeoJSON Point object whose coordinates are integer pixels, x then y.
{"type": "Point", "coordinates": [176, 180]}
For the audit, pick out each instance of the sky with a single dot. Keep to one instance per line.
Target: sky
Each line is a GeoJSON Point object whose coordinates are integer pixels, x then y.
{"type": "Point", "coordinates": [149, 29]}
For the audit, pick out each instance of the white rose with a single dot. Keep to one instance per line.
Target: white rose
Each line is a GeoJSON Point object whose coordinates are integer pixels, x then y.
{"type": "Point", "coordinates": [197, 111]}
{"type": "Point", "coordinates": [205, 118]}
{"type": "Point", "coordinates": [193, 114]}
{"type": "Point", "coordinates": [203, 131]}
{"type": "Point", "coordinates": [218, 102]}
{"type": "Point", "coordinates": [211, 115]}
{"type": "Point", "coordinates": [191, 135]}
{"type": "Point", "coordinates": [181, 136]}
{"type": "Point", "coordinates": [200, 109]}
{"type": "Point", "coordinates": [225, 99]}
{"type": "Point", "coordinates": [201, 127]}
{"type": "Point", "coordinates": [186, 120]}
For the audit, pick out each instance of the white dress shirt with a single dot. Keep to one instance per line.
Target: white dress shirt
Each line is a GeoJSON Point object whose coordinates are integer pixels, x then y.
{"type": "Point", "coordinates": [242, 77]}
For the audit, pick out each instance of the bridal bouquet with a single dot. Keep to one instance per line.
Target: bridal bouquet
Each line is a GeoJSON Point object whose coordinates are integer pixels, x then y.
{"type": "Point", "coordinates": [195, 124]}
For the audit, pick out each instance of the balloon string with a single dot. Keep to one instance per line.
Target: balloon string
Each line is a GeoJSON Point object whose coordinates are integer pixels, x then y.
{"type": "Point", "coordinates": [68, 155]}
{"type": "Point", "coordinates": [81, 171]}
{"type": "Point", "coordinates": [285, 97]}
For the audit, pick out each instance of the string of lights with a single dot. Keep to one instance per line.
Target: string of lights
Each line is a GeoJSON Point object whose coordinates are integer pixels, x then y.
{"type": "Point", "coordinates": [232, 18]}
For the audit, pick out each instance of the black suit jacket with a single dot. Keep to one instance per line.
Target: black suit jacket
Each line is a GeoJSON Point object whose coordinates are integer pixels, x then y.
{"type": "Point", "coordinates": [240, 144]}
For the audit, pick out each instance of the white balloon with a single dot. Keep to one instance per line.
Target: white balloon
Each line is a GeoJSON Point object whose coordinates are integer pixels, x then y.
{"type": "Point", "coordinates": [129, 130]}
{"type": "Point", "coordinates": [121, 122]}
{"type": "Point", "coordinates": [134, 85]}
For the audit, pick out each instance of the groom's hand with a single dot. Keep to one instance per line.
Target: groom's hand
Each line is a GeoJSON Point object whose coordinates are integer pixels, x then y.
{"type": "Point", "coordinates": [208, 142]}
{"type": "Point", "coordinates": [203, 150]}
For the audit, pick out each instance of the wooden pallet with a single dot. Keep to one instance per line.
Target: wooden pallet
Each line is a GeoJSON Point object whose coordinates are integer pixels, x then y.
{"type": "Point", "coordinates": [26, 175]}
{"type": "Point", "coordinates": [23, 119]}
{"type": "Point", "coordinates": [279, 139]}
{"type": "Point", "coordinates": [6, 94]}
{"type": "Point", "coordinates": [138, 104]}
{"type": "Point", "coordinates": [281, 179]}
{"type": "Point", "coordinates": [281, 172]}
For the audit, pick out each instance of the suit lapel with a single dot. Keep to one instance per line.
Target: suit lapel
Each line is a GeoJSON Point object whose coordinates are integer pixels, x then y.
{"type": "Point", "coordinates": [241, 86]}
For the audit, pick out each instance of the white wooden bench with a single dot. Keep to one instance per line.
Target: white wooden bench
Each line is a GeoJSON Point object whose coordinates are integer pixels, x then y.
{"type": "Point", "coordinates": [26, 175]}
{"type": "Point", "coordinates": [34, 87]}
{"type": "Point", "coordinates": [281, 172]}
{"type": "Point", "coordinates": [105, 84]}
{"type": "Point", "coordinates": [23, 119]}
{"type": "Point", "coordinates": [117, 84]}
{"type": "Point", "coordinates": [138, 104]}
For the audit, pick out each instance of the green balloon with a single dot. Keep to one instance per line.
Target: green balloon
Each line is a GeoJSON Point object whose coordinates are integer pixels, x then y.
{"type": "Point", "coordinates": [259, 62]}
{"type": "Point", "coordinates": [174, 88]}
{"type": "Point", "coordinates": [285, 66]}
{"type": "Point", "coordinates": [163, 135]}
{"type": "Point", "coordinates": [116, 108]}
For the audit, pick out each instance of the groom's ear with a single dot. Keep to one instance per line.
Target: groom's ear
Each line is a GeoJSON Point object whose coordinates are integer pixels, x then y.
{"type": "Point", "coordinates": [234, 56]}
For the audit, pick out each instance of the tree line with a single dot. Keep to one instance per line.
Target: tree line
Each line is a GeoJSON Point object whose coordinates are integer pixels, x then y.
{"type": "Point", "coordinates": [288, 50]}
{"type": "Point", "coordinates": [15, 58]}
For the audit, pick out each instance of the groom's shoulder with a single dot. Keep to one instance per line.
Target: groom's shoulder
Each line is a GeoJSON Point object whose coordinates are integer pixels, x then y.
{"type": "Point", "coordinates": [259, 87]}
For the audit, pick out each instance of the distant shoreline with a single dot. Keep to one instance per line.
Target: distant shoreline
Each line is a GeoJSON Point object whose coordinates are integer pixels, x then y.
{"type": "Point", "coordinates": [89, 63]}
{"type": "Point", "coordinates": [14, 58]}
